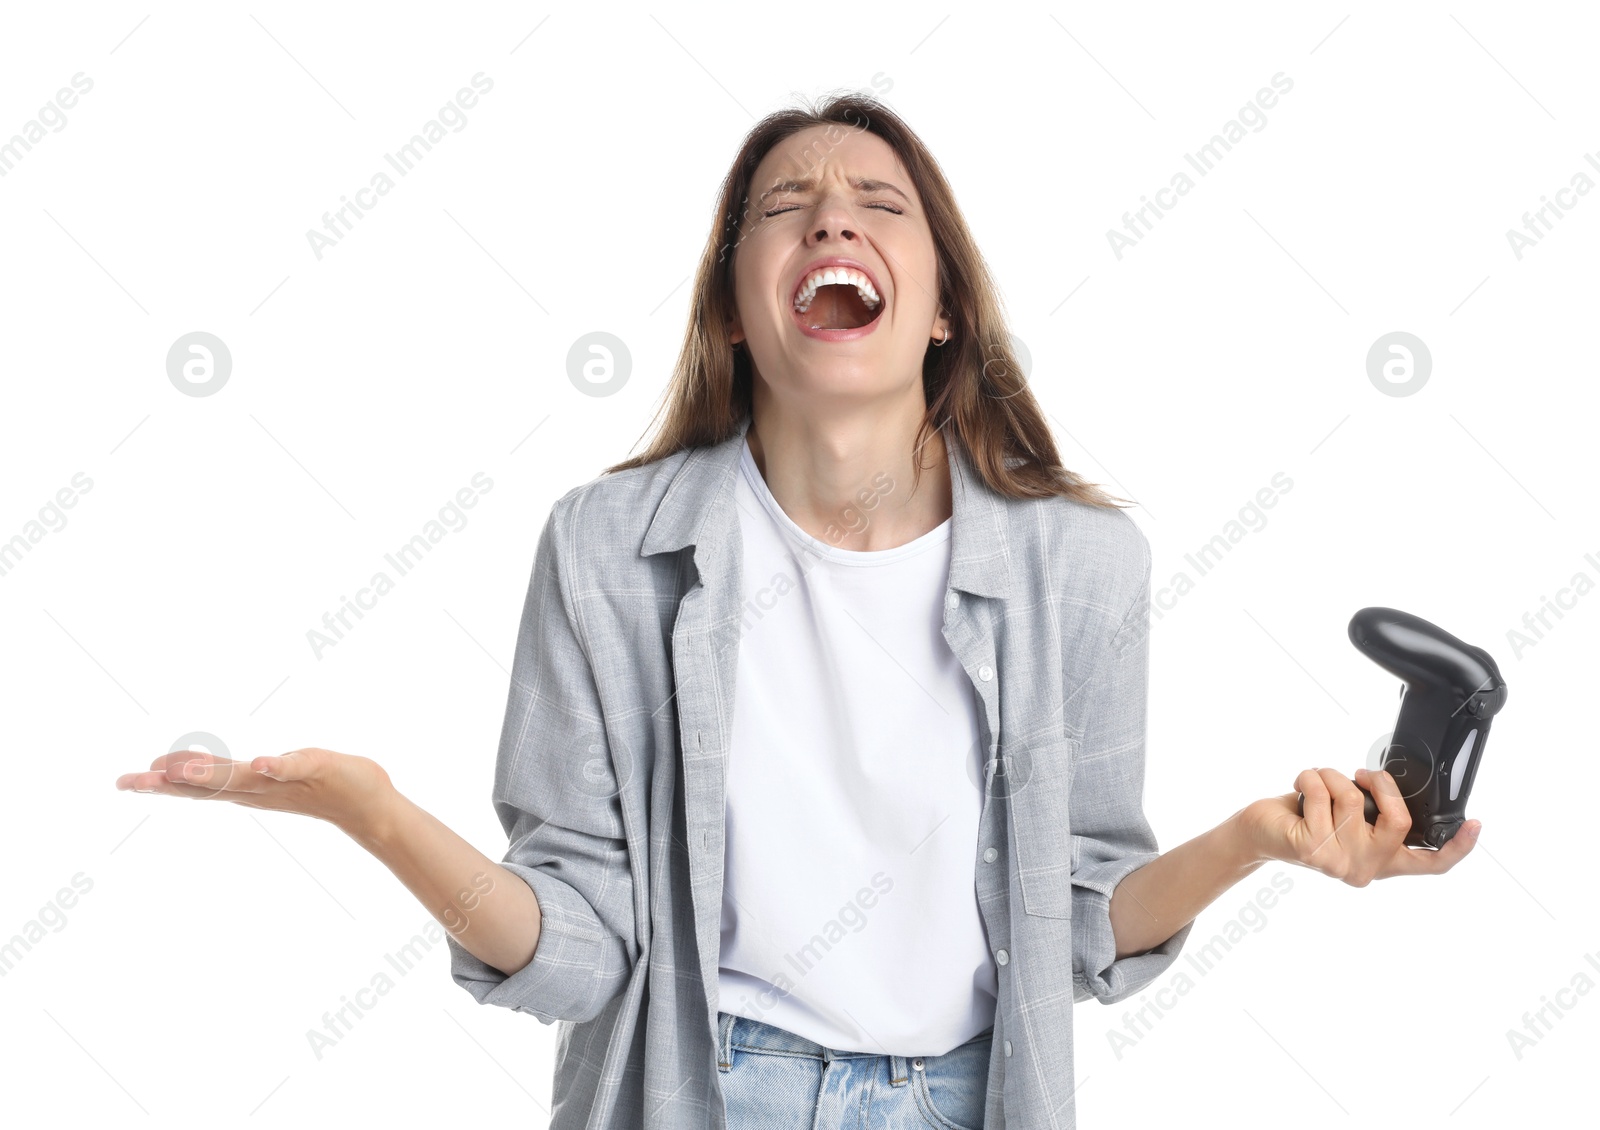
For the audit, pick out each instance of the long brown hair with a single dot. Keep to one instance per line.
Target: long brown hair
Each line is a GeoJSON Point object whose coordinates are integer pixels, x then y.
{"type": "Point", "coordinates": [974, 384]}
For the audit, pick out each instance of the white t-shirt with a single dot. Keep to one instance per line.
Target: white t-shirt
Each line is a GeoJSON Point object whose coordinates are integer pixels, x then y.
{"type": "Point", "coordinates": [849, 909]}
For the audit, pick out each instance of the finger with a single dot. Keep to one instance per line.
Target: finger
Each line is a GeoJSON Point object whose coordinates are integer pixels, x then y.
{"type": "Point", "coordinates": [1318, 811]}
{"type": "Point", "coordinates": [176, 757]}
{"type": "Point", "coordinates": [159, 765]}
{"type": "Point", "coordinates": [1425, 861]}
{"type": "Point", "coordinates": [158, 783]}
{"type": "Point", "coordinates": [1349, 806]}
{"type": "Point", "coordinates": [1394, 818]}
{"type": "Point", "coordinates": [296, 765]}
{"type": "Point", "coordinates": [175, 765]}
{"type": "Point", "coordinates": [210, 775]}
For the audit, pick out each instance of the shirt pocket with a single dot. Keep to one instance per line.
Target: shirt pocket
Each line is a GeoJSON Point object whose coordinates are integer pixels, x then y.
{"type": "Point", "coordinates": [1040, 778]}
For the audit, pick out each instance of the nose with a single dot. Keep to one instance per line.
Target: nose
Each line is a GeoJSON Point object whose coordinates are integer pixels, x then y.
{"type": "Point", "coordinates": [822, 233]}
{"type": "Point", "coordinates": [833, 218]}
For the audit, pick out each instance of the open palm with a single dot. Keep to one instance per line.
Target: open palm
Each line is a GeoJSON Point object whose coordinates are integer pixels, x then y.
{"type": "Point", "coordinates": [341, 788]}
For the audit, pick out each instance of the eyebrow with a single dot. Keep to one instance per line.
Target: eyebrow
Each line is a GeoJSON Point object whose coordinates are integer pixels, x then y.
{"type": "Point", "coordinates": [864, 184]}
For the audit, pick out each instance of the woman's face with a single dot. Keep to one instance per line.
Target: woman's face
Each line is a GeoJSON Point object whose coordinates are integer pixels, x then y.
{"type": "Point", "coordinates": [836, 192]}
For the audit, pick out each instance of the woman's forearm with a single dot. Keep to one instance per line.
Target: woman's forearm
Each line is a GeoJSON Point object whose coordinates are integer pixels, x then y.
{"type": "Point", "coordinates": [491, 911]}
{"type": "Point", "coordinates": [1160, 898]}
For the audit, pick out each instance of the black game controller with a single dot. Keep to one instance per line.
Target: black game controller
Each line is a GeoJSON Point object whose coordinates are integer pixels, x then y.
{"type": "Point", "coordinates": [1450, 694]}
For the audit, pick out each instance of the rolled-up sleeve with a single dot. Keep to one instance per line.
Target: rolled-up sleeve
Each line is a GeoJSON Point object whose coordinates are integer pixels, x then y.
{"type": "Point", "coordinates": [1110, 836]}
{"type": "Point", "coordinates": [556, 795]}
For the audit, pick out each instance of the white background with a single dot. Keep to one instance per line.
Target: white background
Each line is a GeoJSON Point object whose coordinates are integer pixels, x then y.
{"type": "Point", "coordinates": [369, 386]}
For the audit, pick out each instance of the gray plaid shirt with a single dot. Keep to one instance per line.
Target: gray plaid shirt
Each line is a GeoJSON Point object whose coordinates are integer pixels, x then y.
{"type": "Point", "coordinates": [610, 778]}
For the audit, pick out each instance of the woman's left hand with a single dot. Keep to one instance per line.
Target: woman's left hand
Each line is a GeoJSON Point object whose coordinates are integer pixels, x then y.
{"type": "Point", "coordinates": [1334, 837]}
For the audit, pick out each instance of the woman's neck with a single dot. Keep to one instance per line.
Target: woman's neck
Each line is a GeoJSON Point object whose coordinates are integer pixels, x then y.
{"type": "Point", "coordinates": [846, 480]}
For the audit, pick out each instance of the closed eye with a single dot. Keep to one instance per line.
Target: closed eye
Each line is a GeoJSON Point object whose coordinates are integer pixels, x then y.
{"type": "Point", "coordinates": [792, 207]}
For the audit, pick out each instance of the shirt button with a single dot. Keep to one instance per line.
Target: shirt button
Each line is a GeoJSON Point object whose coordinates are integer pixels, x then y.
{"type": "Point", "coordinates": [986, 672]}
{"type": "Point", "coordinates": [1008, 1047]}
{"type": "Point", "coordinates": [951, 599]}
{"type": "Point", "coordinates": [1002, 956]}
{"type": "Point", "coordinates": [989, 855]}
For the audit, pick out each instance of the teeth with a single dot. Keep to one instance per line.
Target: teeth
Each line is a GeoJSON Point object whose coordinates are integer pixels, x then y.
{"type": "Point", "coordinates": [836, 276]}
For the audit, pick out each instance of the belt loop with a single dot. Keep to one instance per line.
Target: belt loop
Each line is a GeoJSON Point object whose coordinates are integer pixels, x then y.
{"type": "Point", "coordinates": [725, 1042]}
{"type": "Point", "coordinates": [897, 1071]}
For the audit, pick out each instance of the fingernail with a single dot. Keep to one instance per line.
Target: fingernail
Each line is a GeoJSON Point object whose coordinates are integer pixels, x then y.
{"type": "Point", "coordinates": [193, 769]}
{"type": "Point", "coordinates": [1474, 830]}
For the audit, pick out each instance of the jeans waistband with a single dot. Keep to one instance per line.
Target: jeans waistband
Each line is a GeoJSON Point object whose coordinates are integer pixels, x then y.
{"type": "Point", "coordinates": [732, 1028]}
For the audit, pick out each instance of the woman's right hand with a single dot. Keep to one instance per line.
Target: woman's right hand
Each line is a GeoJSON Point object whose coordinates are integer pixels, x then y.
{"type": "Point", "coordinates": [354, 793]}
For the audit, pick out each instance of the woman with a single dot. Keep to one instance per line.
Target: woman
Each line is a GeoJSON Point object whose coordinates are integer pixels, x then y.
{"type": "Point", "coordinates": [823, 758]}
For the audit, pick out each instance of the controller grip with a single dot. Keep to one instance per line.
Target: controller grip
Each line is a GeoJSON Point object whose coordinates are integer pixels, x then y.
{"type": "Point", "coordinates": [1371, 807]}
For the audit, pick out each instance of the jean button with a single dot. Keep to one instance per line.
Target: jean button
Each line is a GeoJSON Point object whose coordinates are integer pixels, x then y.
{"type": "Point", "coordinates": [916, 1064]}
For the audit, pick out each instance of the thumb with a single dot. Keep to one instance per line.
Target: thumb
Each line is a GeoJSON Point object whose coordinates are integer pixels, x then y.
{"type": "Point", "coordinates": [1465, 839]}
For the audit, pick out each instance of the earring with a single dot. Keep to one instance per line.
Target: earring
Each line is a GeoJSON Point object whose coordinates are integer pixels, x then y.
{"type": "Point", "coordinates": [940, 343]}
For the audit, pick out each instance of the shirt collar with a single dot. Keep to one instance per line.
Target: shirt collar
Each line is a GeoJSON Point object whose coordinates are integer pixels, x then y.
{"type": "Point", "coordinates": [698, 509]}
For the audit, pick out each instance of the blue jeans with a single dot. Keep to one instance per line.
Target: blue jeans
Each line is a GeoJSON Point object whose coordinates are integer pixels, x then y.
{"type": "Point", "coordinates": [773, 1079]}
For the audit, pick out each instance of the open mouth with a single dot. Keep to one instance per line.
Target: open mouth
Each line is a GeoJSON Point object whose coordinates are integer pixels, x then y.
{"type": "Point", "coordinates": [837, 298]}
